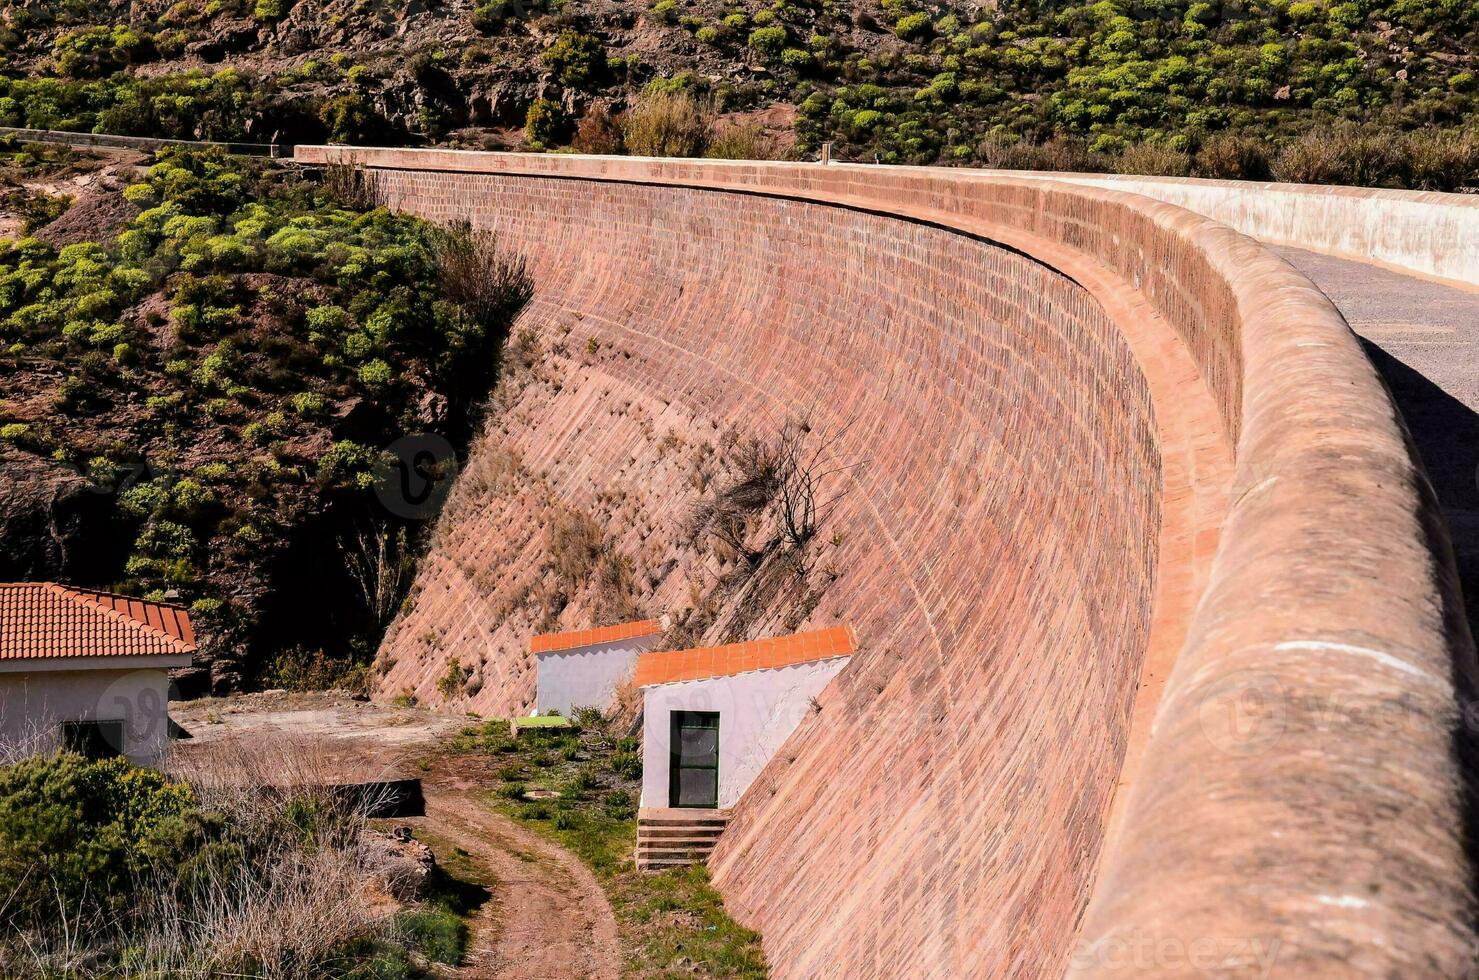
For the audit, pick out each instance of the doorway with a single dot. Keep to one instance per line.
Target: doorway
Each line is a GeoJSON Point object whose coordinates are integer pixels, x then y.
{"type": "Point", "coordinates": [693, 763]}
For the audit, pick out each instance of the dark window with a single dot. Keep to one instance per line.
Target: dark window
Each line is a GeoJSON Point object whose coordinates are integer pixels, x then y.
{"type": "Point", "coordinates": [693, 762]}
{"type": "Point", "coordinates": [93, 739]}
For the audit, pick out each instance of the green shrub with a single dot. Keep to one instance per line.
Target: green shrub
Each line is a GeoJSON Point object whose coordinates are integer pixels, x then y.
{"type": "Point", "coordinates": [913, 26]}
{"type": "Point", "coordinates": [83, 833]}
{"type": "Point", "coordinates": [619, 805]}
{"type": "Point", "coordinates": [544, 123]}
{"type": "Point", "coordinates": [627, 765]}
{"type": "Point", "coordinates": [768, 40]}
{"type": "Point", "coordinates": [577, 59]}
{"type": "Point", "coordinates": [271, 10]}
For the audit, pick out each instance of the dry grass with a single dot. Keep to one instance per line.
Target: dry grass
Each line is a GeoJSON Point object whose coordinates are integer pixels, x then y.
{"type": "Point", "coordinates": [668, 124]}
{"type": "Point", "coordinates": [1153, 159]}
{"type": "Point", "coordinates": [286, 891]}
{"type": "Point", "coordinates": [353, 186]}
{"type": "Point", "coordinates": [574, 545]}
{"type": "Point", "coordinates": [1228, 157]}
{"type": "Point", "coordinates": [1425, 160]}
{"type": "Point", "coordinates": [743, 141]}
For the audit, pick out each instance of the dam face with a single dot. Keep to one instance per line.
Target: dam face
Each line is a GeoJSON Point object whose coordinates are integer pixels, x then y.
{"type": "Point", "coordinates": [1082, 493]}
{"type": "Point", "coordinates": [1003, 530]}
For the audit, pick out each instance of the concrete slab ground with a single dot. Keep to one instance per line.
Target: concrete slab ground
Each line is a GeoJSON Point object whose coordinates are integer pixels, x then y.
{"type": "Point", "coordinates": [1423, 337]}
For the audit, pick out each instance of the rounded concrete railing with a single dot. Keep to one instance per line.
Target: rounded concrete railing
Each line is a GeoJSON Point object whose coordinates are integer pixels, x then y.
{"type": "Point", "coordinates": [1300, 802]}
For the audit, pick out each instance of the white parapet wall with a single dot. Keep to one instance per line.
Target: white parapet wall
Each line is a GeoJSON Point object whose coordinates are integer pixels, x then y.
{"type": "Point", "coordinates": [1426, 232]}
{"type": "Point", "coordinates": [757, 710]}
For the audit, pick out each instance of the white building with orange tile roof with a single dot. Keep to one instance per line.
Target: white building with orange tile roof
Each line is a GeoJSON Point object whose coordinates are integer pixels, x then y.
{"type": "Point", "coordinates": [89, 668]}
{"type": "Point", "coordinates": [583, 668]}
{"type": "Point", "coordinates": [714, 716]}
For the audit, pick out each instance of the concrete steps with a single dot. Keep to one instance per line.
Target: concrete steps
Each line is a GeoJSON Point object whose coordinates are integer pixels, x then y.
{"type": "Point", "coordinates": [675, 838]}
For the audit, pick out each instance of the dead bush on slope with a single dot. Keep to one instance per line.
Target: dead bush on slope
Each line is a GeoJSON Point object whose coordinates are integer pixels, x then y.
{"type": "Point", "coordinates": [782, 491]}
{"type": "Point", "coordinates": [352, 185]}
{"type": "Point", "coordinates": [574, 546]}
{"type": "Point", "coordinates": [598, 132]}
{"type": "Point", "coordinates": [483, 280]}
{"type": "Point", "coordinates": [742, 141]}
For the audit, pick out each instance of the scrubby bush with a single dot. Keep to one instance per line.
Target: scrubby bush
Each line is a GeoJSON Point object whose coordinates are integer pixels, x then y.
{"type": "Point", "coordinates": [768, 40]}
{"type": "Point", "coordinates": [598, 132]}
{"type": "Point", "coordinates": [667, 124]}
{"type": "Point", "coordinates": [577, 59]}
{"type": "Point", "coordinates": [1153, 159]}
{"type": "Point", "coordinates": [76, 836]}
{"type": "Point", "coordinates": [742, 141]}
{"type": "Point", "coordinates": [1231, 157]}
{"type": "Point", "coordinates": [544, 123]}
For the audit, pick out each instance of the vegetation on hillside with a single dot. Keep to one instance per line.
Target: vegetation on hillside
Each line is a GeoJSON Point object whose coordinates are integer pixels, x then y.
{"type": "Point", "coordinates": [1366, 91]}
{"type": "Point", "coordinates": [580, 784]}
{"type": "Point", "coordinates": [109, 870]}
{"type": "Point", "coordinates": [232, 371]}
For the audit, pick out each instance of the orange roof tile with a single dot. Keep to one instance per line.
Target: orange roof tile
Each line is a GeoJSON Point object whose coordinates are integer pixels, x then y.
{"type": "Point", "coordinates": [553, 642]}
{"type": "Point", "coordinates": [667, 666]}
{"type": "Point", "coordinates": [43, 619]}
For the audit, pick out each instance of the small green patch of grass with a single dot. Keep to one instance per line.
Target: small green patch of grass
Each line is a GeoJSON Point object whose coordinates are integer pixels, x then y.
{"type": "Point", "coordinates": [437, 933]}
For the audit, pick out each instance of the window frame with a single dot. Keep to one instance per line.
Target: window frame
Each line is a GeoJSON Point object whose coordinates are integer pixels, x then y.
{"type": "Point", "coordinates": [75, 737]}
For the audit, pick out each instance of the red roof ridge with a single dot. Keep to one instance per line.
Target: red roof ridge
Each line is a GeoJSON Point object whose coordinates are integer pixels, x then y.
{"type": "Point", "coordinates": [570, 639]}
{"type": "Point", "coordinates": [729, 659]}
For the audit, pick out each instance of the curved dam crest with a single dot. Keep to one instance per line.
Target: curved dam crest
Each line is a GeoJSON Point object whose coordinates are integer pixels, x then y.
{"type": "Point", "coordinates": [1095, 495]}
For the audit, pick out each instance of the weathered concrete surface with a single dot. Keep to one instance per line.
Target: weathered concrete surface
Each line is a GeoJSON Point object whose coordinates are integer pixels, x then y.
{"type": "Point", "coordinates": [1006, 346]}
{"type": "Point", "coordinates": [1424, 339]}
{"type": "Point", "coordinates": [1429, 233]}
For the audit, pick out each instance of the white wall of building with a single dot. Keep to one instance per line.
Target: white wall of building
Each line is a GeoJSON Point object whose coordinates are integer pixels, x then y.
{"type": "Point", "coordinates": [34, 702]}
{"type": "Point", "coordinates": [757, 713]}
{"type": "Point", "coordinates": [587, 675]}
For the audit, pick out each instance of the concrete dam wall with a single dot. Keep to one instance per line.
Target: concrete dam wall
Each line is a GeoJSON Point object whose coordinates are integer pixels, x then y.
{"type": "Point", "coordinates": [1160, 664]}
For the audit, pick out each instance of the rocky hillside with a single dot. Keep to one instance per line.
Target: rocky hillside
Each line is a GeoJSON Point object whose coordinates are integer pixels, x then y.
{"type": "Point", "coordinates": [211, 374]}
{"type": "Point", "coordinates": [1181, 85]}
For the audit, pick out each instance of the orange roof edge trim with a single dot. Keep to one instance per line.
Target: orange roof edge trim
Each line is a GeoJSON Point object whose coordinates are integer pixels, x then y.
{"type": "Point", "coordinates": [671, 666]}
{"type": "Point", "coordinates": [570, 639]}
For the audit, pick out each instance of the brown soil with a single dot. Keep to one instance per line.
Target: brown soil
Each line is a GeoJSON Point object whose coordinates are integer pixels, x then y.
{"type": "Point", "coordinates": [548, 917]}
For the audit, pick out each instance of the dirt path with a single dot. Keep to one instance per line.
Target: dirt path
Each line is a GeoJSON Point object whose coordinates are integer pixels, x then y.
{"type": "Point", "coordinates": [548, 918]}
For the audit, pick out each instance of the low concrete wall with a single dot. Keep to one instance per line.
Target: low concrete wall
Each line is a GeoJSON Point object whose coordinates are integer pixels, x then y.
{"type": "Point", "coordinates": [146, 144]}
{"type": "Point", "coordinates": [946, 811]}
{"type": "Point", "coordinates": [1425, 232]}
{"type": "Point", "coordinates": [758, 711]}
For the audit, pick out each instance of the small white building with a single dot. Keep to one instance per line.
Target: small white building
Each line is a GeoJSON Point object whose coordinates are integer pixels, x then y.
{"type": "Point", "coordinates": [584, 668]}
{"type": "Point", "coordinates": [715, 716]}
{"type": "Point", "coordinates": [88, 667]}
